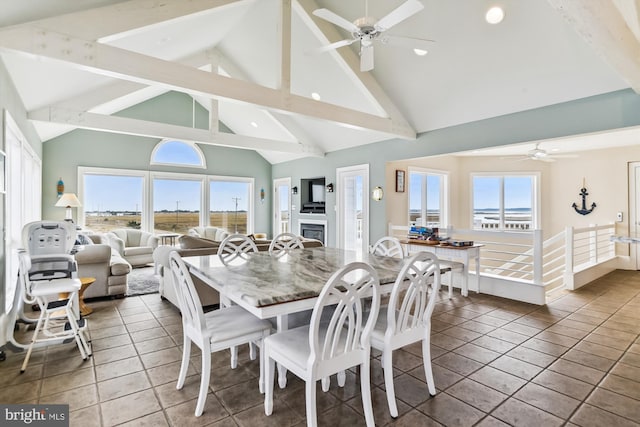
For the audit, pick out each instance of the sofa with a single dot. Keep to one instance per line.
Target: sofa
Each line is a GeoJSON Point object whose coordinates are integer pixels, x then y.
{"type": "Point", "coordinates": [136, 246]}
{"type": "Point", "coordinates": [209, 233]}
{"type": "Point", "coordinates": [99, 260]}
{"type": "Point", "coordinates": [196, 246]}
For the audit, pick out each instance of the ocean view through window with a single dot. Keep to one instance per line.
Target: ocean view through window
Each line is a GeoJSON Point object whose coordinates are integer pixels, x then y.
{"type": "Point", "coordinates": [427, 198]}
{"type": "Point", "coordinates": [505, 202]}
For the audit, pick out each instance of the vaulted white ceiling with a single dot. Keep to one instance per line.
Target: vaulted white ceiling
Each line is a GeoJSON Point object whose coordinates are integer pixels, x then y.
{"type": "Point", "coordinates": [74, 63]}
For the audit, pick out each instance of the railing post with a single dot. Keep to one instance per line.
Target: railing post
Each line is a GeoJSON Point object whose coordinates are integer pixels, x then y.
{"type": "Point", "coordinates": [593, 244]}
{"type": "Point", "coordinates": [537, 257]}
{"type": "Point", "coordinates": [568, 258]}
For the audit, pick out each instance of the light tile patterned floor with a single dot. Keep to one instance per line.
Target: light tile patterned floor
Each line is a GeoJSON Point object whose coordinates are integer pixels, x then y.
{"type": "Point", "coordinates": [496, 362]}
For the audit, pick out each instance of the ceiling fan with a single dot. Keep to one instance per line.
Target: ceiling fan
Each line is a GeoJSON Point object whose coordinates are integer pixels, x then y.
{"type": "Point", "coordinates": [366, 30]}
{"type": "Point", "coordinates": [543, 155]}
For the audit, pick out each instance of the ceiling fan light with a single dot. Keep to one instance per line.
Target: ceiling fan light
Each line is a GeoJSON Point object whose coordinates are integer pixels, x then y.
{"type": "Point", "coordinates": [315, 95]}
{"type": "Point", "coordinates": [494, 15]}
{"type": "Point", "coordinates": [254, 124]}
{"type": "Point", "coordinates": [420, 52]}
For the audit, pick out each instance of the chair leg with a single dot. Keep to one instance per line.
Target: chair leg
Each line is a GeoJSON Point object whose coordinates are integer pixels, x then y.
{"type": "Point", "coordinates": [388, 382]}
{"type": "Point", "coordinates": [426, 361]}
{"type": "Point", "coordinates": [184, 366]}
{"type": "Point", "coordinates": [342, 378]}
{"type": "Point", "coordinates": [234, 357]}
{"type": "Point", "coordinates": [204, 380]}
{"type": "Point", "coordinates": [33, 341]}
{"type": "Point", "coordinates": [252, 351]}
{"type": "Point", "coordinates": [269, 378]}
{"type": "Point", "coordinates": [326, 384]}
{"type": "Point", "coordinates": [262, 363]}
{"type": "Point", "coordinates": [365, 389]}
{"type": "Point", "coordinates": [451, 284]}
{"type": "Point", "coordinates": [310, 397]}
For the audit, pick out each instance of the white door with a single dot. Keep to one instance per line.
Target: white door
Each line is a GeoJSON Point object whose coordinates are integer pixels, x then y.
{"type": "Point", "coordinates": [281, 206]}
{"type": "Point", "coordinates": [352, 208]}
{"type": "Point", "coordinates": [634, 213]}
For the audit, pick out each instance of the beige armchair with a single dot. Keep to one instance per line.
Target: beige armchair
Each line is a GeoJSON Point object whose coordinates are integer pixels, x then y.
{"type": "Point", "coordinates": [135, 246]}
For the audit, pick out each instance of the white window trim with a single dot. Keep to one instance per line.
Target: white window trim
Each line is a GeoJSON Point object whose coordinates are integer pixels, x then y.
{"type": "Point", "coordinates": [445, 200]}
{"type": "Point", "coordinates": [146, 218]}
{"type": "Point", "coordinates": [198, 151]}
{"type": "Point", "coordinates": [535, 190]}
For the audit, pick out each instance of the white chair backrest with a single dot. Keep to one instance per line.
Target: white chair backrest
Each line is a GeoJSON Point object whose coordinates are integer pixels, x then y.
{"type": "Point", "coordinates": [236, 246]}
{"type": "Point", "coordinates": [284, 243]}
{"type": "Point", "coordinates": [388, 246]}
{"type": "Point", "coordinates": [411, 304]}
{"type": "Point", "coordinates": [190, 306]}
{"type": "Point", "coordinates": [344, 295]}
{"type": "Point", "coordinates": [48, 237]}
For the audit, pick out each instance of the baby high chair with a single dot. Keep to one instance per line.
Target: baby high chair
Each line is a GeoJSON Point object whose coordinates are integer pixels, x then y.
{"type": "Point", "coordinates": [48, 269]}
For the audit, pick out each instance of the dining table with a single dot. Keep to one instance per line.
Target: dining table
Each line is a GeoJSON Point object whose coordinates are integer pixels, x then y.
{"type": "Point", "coordinates": [270, 287]}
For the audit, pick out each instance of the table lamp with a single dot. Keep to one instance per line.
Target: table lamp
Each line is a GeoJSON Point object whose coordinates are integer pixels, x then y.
{"type": "Point", "coordinates": [68, 200]}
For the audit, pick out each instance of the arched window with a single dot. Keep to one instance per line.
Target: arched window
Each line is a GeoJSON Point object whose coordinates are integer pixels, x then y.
{"type": "Point", "coordinates": [178, 153]}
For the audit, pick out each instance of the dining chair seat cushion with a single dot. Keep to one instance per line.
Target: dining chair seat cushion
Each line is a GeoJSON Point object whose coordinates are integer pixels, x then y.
{"type": "Point", "coordinates": [242, 323]}
{"type": "Point", "coordinates": [296, 342]}
{"type": "Point", "coordinates": [46, 287]}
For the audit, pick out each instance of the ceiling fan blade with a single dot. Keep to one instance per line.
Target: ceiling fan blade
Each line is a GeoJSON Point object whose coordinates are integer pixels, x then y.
{"type": "Point", "coordinates": [366, 58]}
{"type": "Point", "coordinates": [327, 15]}
{"type": "Point", "coordinates": [399, 14]}
{"type": "Point", "coordinates": [409, 42]}
{"type": "Point", "coordinates": [331, 46]}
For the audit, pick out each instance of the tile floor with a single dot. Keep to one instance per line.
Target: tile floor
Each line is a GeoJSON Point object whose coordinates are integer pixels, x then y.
{"type": "Point", "coordinates": [496, 362]}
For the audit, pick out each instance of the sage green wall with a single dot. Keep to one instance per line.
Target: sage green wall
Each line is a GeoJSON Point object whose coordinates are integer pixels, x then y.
{"type": "Point", "coordinates": [602, 112]}
{"type": "Point", "coordinates": [64, 154]}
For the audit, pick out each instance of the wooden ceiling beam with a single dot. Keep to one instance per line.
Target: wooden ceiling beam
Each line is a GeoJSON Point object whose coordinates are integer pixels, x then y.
{"type": "Point", "coordinates": [603, 25]}
{"type": "Point", "coordinates": [129, 126]}
{"type": "Point", "coordinates": [127, 65]}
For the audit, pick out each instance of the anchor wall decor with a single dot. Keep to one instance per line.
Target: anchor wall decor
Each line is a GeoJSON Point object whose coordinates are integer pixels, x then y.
{"type": "Point", "coordinates": [583, 194]}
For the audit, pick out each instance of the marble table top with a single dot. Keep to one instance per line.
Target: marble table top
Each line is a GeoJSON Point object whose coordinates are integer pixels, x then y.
{"type": "Point", "coordinates": [263, 280]}
{"type": "Point", "coordinates": [625, 239]}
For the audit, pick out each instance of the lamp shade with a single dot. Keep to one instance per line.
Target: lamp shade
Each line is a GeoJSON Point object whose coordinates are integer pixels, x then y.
{"type": "Point", "coordinates": [68, 200]}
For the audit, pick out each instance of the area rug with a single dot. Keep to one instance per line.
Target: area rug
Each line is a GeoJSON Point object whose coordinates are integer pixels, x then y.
{"type": "Point", "coordinates": [143, 281]}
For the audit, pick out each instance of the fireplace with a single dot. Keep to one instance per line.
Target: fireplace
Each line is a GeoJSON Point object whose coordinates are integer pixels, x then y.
{"type": "Point", "coordinates": [313, 229]}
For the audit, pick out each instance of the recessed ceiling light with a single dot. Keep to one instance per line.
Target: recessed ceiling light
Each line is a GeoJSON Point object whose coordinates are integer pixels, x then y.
{"type": "Point", "coordinates": [420, 52]}
{"type": "Point", "coordinates": [254, 124]}
{"type": "Point", "coordinates": [495, 15]}
{"type": "Point", "coordinates": [555, 149]}
{"type": "Point", "coordinates": [315, 95]}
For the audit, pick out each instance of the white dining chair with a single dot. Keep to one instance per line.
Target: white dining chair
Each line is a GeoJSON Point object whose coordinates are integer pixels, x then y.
{"type": "Point", "coordinates": [407, 318]}
{"type": "Point", "coordinates": [284, 243]}
{"type": "Point", "coordinates": [236, 247]}
{"type": "Point", "coordinates": [216, 330]}
{"type": "Point", "coordinates": [321, 349]}
{"type": "Point", "coordinates": [387, 246]}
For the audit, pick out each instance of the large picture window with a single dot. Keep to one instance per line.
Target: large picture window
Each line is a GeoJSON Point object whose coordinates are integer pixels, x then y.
{"type": "Point", "coordinates": [163, 202]}
{"type": "Point", "coordinates": [427, 198]}
{"type": "Point", "coordinates": [176, 205]}
{"type": "Point", "coordinates": [112, 200]}
{"type": "Point", "coordinates": [505, 202]}
{"type": "Point", "coordinates": [231, 204]}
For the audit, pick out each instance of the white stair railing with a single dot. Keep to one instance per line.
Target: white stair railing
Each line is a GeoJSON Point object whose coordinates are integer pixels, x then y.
{"type": "Point", "coordinates": [524, 257]}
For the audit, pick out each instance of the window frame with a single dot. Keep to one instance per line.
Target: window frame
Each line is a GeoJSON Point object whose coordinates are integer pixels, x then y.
{"type": "Point", "coordinates": [445, 199]}
{"type": "Point", "coordinates": [535, 199]}
{"type": "Point", "coordinates": [192, 145]}
{"type": "Point", "coordinates": [147, 218]}
{"type": "Point", "coordinates": [250, 205]}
